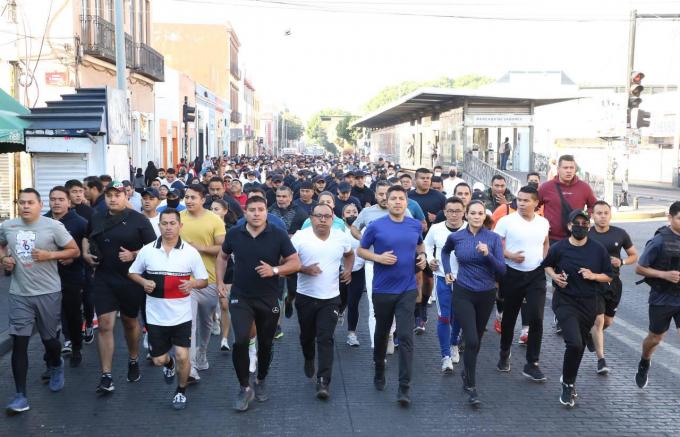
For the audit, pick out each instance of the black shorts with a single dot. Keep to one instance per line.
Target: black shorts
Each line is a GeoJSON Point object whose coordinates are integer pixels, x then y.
{"type": "Point", "coordinates": [112, 292]}
{"type": "Point", "coordinates": [427, 271]}
{"type": "Point", "coordinates": [610, 299]}
{"type": "Point", "coordinates": [660, 317]}
{"type": "Point", "coordinates": [163, 338]}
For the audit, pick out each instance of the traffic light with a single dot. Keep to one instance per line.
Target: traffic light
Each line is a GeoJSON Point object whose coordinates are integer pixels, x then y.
{"type": "Point", "coordinates": [635, 88]}
{"type": "Point", "coordinates": [188, 112]}
{"type": "Point", "coordinates": [640, 118]}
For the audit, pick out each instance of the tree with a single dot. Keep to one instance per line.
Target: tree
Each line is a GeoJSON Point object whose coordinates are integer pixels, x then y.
{"type": "Point", "coordinates": [294, 127]}
{"type": "Point", "coordinates": [393, 92]}
{"type": "Point", "coordinates": [322, 128]}
{"type": "Point", "coordinates": [345, 132]}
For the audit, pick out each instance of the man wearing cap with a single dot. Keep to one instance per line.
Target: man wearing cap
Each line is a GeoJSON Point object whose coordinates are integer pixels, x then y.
{"type": "Point", "coordinates": [365, 195]}
{"type": "Point", "coordinates": [319, 186]}
{"type": "Point", "coordinates": [112, 242]}
{"type": "Point", "coordinates": [173, 200]}
{"type": "Point", "coordinates": [344, 197]}
{"type": "Point", "coordinates": [579, 267]}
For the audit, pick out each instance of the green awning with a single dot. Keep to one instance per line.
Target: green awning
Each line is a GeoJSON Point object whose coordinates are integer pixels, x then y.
{"type": "Point", "coordinates": [11, 126]}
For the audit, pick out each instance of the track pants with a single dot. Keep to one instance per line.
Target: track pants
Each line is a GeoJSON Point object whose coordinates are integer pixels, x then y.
{"type": "Point", "coordinates": [318, 319]}
{"type": "Point", "coordinates": [448, 328]}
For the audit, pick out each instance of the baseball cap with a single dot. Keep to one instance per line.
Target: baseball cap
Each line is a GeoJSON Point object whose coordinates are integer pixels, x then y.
{"type": "Point", "coordinates": [277, 178]}
{"type": "Point", "coordinates": [151, 192]}
{"type": "Point", "coordinates": [344, 187]}
{"type": "Point", "coordinates": [578, 213]}
{"type": "Point", "coordinates": [319, 178]}
{"type": "Point", "coordinates": [116, 185]}
{"type": "Point", "coordinates": [306, 185]}
{"type": "Point", "coordinates": [359, 174]}
{"type": "Point", "coordinates": [349, 173]}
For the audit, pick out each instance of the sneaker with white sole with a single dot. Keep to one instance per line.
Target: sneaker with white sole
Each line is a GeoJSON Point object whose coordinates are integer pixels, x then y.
{"type": "Point", "coordinates": [67, 349]}
{"type": "Point", "coordinates": [194, 377]}
{"type": "Point", "coordinates": [169, 373]}
{"type": "Point", "coordinates": [352, 340]}
{"type": "Point", "coordinates": [455, 354]}
{"type": "Point", "coordinates": [224, 345]}
{"type": "Point", "coordinates": [201, 360]}
{"type": "Point", "coordinates": [447, 366]}
{"type": "Point", "coordinates": [179, 402]}
{"type": "Point", "coordinates": [18, 404]}
{"type": "Point", "coordinates": [390, 345]}
{"type": "Point", "coordinates": [215, 330]}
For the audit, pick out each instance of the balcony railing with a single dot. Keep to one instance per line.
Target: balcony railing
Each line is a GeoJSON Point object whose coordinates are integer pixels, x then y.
{"type": "Point", "coordinates": [129, 51]}
{"type": "Point", "coordinates": [235, 117]}
{"type": "Point", "coordinates": [150, 63]}
{"type": "Point", "coordinates": [235, 71]}
{"type": "Point", "coordinates": [98, 38]}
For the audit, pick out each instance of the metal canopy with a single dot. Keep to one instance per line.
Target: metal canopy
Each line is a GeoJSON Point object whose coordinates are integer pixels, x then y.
{"type": "Point", "coordinates": [428, 101]}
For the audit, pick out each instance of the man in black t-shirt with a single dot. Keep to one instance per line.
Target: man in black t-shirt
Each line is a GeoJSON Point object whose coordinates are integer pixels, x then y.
{"type": "Point", "coordinates": [258, 249]}
{"type": "Point", "coordinates": [613, 239]}
{"type": "Point", "coordinates": [579, 266]}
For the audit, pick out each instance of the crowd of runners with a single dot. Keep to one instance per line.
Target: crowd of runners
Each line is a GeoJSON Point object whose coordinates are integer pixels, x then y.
{"type": "Point", "coordinates": [227, 246]}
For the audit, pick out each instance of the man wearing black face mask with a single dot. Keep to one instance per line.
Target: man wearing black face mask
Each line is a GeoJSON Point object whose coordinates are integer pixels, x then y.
{"type": "Point", "coordinates": [451, 182]}
{"type": "Point", "coordinates": [579, 266]}
{"type": "Point", "coordinates": [173, 201]}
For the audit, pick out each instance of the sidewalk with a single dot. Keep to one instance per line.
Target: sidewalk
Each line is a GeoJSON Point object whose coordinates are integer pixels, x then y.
{"type": "Point", "coordinates": [5, 342]}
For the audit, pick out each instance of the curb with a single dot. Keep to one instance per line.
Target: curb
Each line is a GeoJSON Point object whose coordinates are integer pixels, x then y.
{"type": "Point", "coordinates": [639, 215]}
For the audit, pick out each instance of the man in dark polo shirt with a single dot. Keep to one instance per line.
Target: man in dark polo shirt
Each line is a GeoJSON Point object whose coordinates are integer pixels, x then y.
{"type": "Point", "coordinates": [262, 253]}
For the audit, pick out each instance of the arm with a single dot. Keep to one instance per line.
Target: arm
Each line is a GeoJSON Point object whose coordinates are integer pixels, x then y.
{"type": "Point", "coordinates": [356, 233]}
{"type": "Point", "coordinates": [546, 246]}
{"type": "Point", "coordinates": [449, 246]}
{"type": "Point", "coordinates": [291, 264]}
{"type": "Point", "coordinates": [632, 256]}
{"type": "Point", "coordinates": [496, 258]}
{"type": "Point", "coordinates": [648, 272]}
{"type": "Point", "coordinates": [347, 264]}
{"type": "Point", "coordinates": [212, 249]}
{"type": "Point", "coordinates": [221, 267]}
{"type": "Point", "coordinates": [368, 255]}
{"type": "Point", "coordinates": [69, 251]}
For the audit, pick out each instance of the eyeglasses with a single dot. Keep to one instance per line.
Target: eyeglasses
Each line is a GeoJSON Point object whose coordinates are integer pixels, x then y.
{"type": "Point", "coordinates": [454, 211]}
{"type": "Point", "coordinates": [323, 216]}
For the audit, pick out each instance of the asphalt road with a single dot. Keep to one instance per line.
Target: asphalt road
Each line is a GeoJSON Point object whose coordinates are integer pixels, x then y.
{"type": "Point", "coordinates": [511, 405]}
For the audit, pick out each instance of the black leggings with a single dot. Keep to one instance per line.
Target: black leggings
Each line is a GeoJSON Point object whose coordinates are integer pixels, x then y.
{"type": "Point", "coordinates": [71, 314]}
{"type": "Point", "coordinates": [20, 358]}
{"type": "Point", "coordinates": [353, 293]}
{"type": "Point", "coordinates": [472, 309]}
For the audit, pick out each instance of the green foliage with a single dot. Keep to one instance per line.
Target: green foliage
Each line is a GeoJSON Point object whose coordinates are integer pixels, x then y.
{"type": "Point", "coordinates": [294, 127]}
{"type": "Point", "coordinates": [345, 132]}
{"type": "Point", "coordinates": [394, 92]}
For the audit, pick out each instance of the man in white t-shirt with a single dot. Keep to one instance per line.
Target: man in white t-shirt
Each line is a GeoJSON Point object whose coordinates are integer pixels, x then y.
{"type": "Point", "coordinates": [322, 252]}
{"type": "Point", "coordinates": [165, 269]}
{"type": "Point", "coordinates": [525, 234]}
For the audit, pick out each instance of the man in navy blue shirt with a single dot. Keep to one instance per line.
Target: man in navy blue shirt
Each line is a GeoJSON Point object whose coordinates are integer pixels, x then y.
{"type": "Point", "coordinates": [397, 250]}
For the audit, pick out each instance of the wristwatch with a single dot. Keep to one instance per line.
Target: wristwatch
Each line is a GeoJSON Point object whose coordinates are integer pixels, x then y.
{"type": "Point", "coordinates": [275, 270]}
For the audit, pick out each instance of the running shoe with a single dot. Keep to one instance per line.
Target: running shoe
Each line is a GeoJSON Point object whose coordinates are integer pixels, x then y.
{"type": "Point", "coordinates": [420, 326]}
{"type": "Point", "coordinates": [403, 396]}
{"type": "Point", "coordinates": [352, 340]}
{"type": "Point", "coordinates": [641, 377]}
{"type": "Point", "coordinates": [169, 373]}
{"type": "Point", "coordinates": [379, 379]}
{"type": "Point", "coordinates": [503, 363]}
{"type": "Point", "coordinates": [260, 389]}
{"type": "Point", "coordinates": [455, 354]}
{"type": "Point", "coordinates": [497, 325]}
{"type": "Point", "coordinates": [279, 333]}
{"type": "Point", "coordinates": [390, 345]}
{"type": "Point", "coordinates": [105, 384]}
{"type": "Point", "coordinates": [288, 309]}
{"type": "Point", "coordinates": [224, 345]}
{"type": "Point", "coordinates": [602, 368]}
{"type": "Point", "coordinates": [244, 398]}
{"type": "Point", "coordinates": [179, 402]}
{"type": "Point", "coordinates": [473, 397]}
{"type": "Point", "coordinates": [215, 330]}
{"type": "Point", "coordinates": [18, 404]}
{"type": "Point", "coordinates": [88, 335]}
{"type": "Point", "coordinates": [523, 338]}
{"type": "Point", "coordinates": [322, 389]}
{"type": "Point", "coordinates": [76, 359]}
{"type": "Point", "coordinates": [57, 377]}
{"type": "Point", "coordinates": [202, 360]}
{"type": "Point", "coordinates": [533, 372]}
{"type": "Point", "coordinates": [309, 368]}
{"type": "Point", "coordinates": [67, 348]}
{"type": "Point", "coordinates": [447, 366]}
{"type": "Point", "coordinates": [568, 398]}
{"type": "Point", "coordinates": [133, 374]}
{"type": "Point", "coordinates": [194, 377]}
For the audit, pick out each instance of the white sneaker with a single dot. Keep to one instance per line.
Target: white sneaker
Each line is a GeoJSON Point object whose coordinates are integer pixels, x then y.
{"type": "Point", "coordinates": [252, 354]}
{"type": "Point", "coordinates": [145, 341]}
{"type": "Point", "coordinates": [352, 340]}
{"type": "Point", "coordinates": [194, 377]}
{"type": "Point", "coordinates": [432, 299]}
{"type": "Point", "coordinates": [455, 355]}
{"type": "Point", "coordinates": [224, 345]}
{"type": "Point", "coordinates": [390, 345]}
{"type": "Point", "coordinates": [447, 365]}
{"type": "Point", "coordinates": [201, 360]}
{"type": "Point", "coordinates": [215, 330]}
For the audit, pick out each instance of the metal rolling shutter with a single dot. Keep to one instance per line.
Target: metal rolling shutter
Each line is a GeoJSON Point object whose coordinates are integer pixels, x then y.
{"type": "Point", "coordinates": [50, 169]}
{"type": "Point", "coordinates": [5, 185]}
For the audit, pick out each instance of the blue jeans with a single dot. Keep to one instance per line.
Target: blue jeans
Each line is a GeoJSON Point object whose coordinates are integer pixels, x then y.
{"type": "Point", "coordinates": [448, 329]}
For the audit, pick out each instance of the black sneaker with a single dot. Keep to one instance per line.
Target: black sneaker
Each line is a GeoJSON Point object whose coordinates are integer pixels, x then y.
{"type": "Point", "coordinates": [88, 335]}
{"type": "Point", "coordinates": [244, 398]}
{"type": "Point", "coordinates": [533, 372]}
{"type": "Point", "coordinates": [133, 374]}
{"type": "Point", "coordinates": [589, 343]}
{"type": "Point", "coordinates": [379, 379]}
{"type": "Point", "coordinates": [403, 396]}
{"type": "Point", "coordinates": [309, 368]}
{"type": "Point", "coordinates": [322, 390]}
{"type": "Point", "coordinates": [503, 363]}
{"type": "Point", "coordinates": [641, 378]}
{"type": "Point", "coordinates": [473, 397]}
{"type": "Point", "coordinates": [602, 368]}
{"type": "Point", "coordinates": [105, 385]}
{"type": "Point", "coordinates": [76, 358]}
{"type": "Point", "coordinates": [288, 311]}
{"type": "Point", "coordinates": [568, 396]}
{"type": "Point", "coordinates": [260, 391]}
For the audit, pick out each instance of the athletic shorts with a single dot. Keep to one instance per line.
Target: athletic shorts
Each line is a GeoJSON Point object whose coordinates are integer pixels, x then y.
{"type": "Point", "coordinates": [610, 299]}
{"type": "Point", "coordinates": [43, 310]}
{"type": "Point", "coordinates": [427, 271]}
{"type": "Point", "coordinates": [112, 292]}
{"type": "Point", "coordinates": [163, 338]}
{"type": "Point", "coordinates": [660, 317]}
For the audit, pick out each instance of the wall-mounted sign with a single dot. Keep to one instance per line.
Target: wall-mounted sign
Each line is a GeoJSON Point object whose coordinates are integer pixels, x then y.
{"type": "Point", "coordinates": [498, 120]}
{"type": "Point", "coordinates": [56, 78]}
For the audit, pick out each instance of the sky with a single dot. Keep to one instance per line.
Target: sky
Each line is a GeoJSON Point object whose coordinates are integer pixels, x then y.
{"type": "Point", "coordinates": [315, 54]}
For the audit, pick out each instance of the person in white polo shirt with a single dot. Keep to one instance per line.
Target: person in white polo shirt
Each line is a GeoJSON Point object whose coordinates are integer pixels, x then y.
{"type": "Point", "coordinates": [525, 234]}
{"type": "Point", "coordinates": [323, 251]}
{"type": "Point", "coordinates": [165, 269]}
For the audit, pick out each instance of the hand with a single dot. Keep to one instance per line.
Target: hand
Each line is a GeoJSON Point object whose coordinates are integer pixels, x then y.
{"type": "Point", "coordinates": [421, 261]}
{"type": "Point", "coordinates": [560, 280]}
{"type": "Point", "coordinates": [186, 286]}
{"type": "Point", "coordinates": [346, 276]}
{"type": "Point", "coordinates": [91, 259]}
{"type": "Point", "coordinates": [387, 258]}
{"type": "Point", "coordinates": [41, 255]}
{"type": "Point", "coordinates": [149, 286]}
{"type": "Point", "coordinates": [616, 262]}
{"type": "Point", "coordinates": [482, 248]}
{"type": "Point", "coordinates": [8, 263]}
{"type": "Point", "coordinates": [66, 262]}
{"type": "Point", "coordinates": [434, 264]}
{"type": "Point", "coordinates": [517, 257]}
{"type": "Point", "coordinates": [500, 199]}
{"type": "Point", "coordinates": [672, 276]}
{"type": "Point", "coordinates": [587, 274]}
{"type": "Point", "coordinates": [311, 270]}
{"type": "Point", "coordinates": [223, 290]}
{"type": "Point", "coordinates": [264, 270]}
{"type": "Point", "coordinates": [125, 255]}
{"type": "Point", "coordinates": [431, 217]}
{"type": "Point", "coordinates": [449, 278]}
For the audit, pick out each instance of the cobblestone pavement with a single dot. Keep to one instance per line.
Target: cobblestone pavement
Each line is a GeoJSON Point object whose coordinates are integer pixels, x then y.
{"type": "Point", "coordinates": [511, 405]}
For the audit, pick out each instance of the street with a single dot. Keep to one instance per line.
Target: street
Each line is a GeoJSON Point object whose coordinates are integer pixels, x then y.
{"type": "Point", "coordinates": [511, 405]}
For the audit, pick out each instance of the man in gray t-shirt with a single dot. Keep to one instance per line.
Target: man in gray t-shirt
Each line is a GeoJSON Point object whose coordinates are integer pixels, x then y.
{"type": "Point", "coordinates": [30, 248]}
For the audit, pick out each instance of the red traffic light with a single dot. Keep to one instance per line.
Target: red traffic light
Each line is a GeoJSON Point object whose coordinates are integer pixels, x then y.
{"type": "Point", "coordinates": [636, 77]}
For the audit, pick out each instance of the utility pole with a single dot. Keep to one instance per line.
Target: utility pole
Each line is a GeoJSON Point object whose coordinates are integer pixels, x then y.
{"type": "Point", "coordinates": [629, 131]}
{"type": "Point", "coordinates": [119, 25]}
